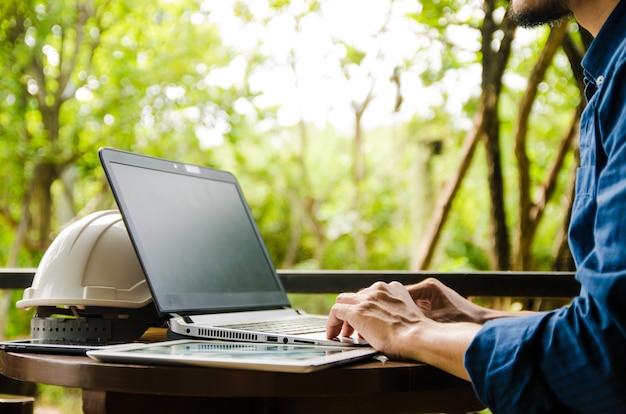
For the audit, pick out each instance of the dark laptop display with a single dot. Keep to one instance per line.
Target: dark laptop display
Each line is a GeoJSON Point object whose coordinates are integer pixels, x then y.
{"type": "Point", "coordinates": [196, 238]}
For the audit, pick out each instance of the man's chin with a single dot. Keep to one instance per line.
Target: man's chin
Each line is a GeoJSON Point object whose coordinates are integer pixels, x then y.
{"type": "Point", "coordinates": [537, 13]}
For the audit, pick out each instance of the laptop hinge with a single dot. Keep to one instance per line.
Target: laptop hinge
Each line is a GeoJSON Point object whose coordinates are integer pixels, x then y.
{"type": "Point", "coordinates": [185, 318]}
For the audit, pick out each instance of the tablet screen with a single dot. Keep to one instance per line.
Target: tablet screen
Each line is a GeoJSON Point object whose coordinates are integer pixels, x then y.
{"type": "Point", "coordinates": [242, 355]}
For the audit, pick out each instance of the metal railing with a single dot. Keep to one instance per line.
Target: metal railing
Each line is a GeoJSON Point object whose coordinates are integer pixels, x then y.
{"type": "Point", "coordinates": [518, 284]}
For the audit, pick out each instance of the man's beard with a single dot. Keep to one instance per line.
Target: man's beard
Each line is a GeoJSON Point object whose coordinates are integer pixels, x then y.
{"type": "Point", "coordinates": [530, 13]}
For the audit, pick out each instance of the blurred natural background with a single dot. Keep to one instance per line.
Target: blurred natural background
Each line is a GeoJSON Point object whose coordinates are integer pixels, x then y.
{"type": "Point", "coordinates": [376, 134]}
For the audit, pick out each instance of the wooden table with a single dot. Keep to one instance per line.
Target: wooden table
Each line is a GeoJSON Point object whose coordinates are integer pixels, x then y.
{"type": "Point", "coordinates": [364, 387]}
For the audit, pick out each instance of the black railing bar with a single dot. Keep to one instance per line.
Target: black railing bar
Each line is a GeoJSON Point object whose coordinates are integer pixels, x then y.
{"type": "Point", "coordinates": [494, 283]}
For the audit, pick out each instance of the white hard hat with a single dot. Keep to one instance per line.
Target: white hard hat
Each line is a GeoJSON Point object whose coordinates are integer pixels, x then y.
{"type": "Point", "coordinates": [91, 263]}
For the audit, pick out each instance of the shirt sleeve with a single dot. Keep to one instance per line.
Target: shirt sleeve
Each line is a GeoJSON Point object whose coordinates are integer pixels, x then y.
{"type": "Point", "coordinates": [567, 360]}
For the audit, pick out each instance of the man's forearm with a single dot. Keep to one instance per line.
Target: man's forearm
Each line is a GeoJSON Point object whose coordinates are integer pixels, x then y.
{"type": "Point", "coordinates": [442, 345]}
{"type": "Point", "coordinates": [489, 314]}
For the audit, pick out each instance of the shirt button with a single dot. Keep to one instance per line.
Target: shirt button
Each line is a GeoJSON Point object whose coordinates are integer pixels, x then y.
{"type": "Point", "coordinates": [600, 80]}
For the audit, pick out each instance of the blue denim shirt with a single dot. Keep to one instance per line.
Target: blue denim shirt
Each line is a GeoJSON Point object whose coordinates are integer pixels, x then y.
{"type": "Point", "coordinates": [574, 359]}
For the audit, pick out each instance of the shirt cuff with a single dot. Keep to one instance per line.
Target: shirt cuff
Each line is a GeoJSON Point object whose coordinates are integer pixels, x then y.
{"type": "Point", "coordinates": [501, 364]}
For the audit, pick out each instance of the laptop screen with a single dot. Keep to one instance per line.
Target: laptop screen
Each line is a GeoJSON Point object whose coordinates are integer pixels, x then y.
{"type": "Point", "coordinates": [194, 235]}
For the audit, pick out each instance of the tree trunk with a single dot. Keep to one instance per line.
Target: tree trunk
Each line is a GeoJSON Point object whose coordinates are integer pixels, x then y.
{"type": "Point", "coordinates": [358, 176]}
{"type": "Point", "coordinates": [526, 225]}
{"type": "Point", "coordinates": [494, 62]}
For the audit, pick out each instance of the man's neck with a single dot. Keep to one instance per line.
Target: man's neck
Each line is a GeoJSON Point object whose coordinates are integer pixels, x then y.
{"type": "Point", "coordinates": [591, 14]}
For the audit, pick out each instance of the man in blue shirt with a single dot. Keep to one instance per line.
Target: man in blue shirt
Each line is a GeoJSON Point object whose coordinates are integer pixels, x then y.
{"type": "Point", "coordinates": [569, 360]}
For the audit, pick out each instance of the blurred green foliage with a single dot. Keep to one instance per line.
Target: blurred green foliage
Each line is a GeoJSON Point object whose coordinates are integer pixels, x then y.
{"type": "Point", "coordinates": [151, 77]}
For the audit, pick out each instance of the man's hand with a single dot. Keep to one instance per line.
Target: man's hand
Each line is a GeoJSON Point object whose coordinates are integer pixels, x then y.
{"type": "Point", "coordinates": [384, 314]}
{"type": "Point", "coordinates": [442, 304]}
{"type": "Point", "coordinates": [426, 322]}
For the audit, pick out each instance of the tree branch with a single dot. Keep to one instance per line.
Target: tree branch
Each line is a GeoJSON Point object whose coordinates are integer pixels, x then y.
{"type": "Point", "coordinates": [444, 203]}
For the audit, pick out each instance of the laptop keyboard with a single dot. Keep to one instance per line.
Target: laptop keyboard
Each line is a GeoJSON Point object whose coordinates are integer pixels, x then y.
{"type": "Point", "coordinates": [290, 326]}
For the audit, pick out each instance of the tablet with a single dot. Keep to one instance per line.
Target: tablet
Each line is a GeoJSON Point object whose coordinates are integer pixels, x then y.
{"type": "Point", "coordinates": [240, 355]}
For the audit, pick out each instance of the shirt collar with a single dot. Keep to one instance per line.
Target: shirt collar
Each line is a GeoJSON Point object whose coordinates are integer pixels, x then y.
{"type": "Point", "coordinates": [600, 53]}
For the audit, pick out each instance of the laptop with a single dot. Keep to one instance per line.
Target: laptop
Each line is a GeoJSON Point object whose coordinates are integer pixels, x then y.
{"type": "Point", "coordinates": [203, 256]}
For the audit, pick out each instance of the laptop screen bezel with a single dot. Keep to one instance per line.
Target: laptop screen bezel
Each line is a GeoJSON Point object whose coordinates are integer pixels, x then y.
{"type": "Point", "coordinates": [198, 302]}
